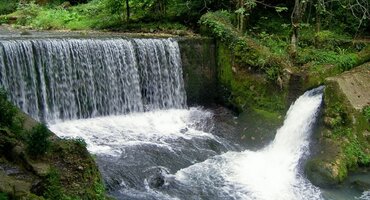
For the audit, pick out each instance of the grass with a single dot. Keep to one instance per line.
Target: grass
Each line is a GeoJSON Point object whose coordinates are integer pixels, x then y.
{"type": "Point", "coordinates": [92, 15]}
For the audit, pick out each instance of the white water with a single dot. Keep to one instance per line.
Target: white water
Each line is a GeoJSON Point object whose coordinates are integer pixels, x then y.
{"type": "Point", "coordinates": [273, 173]}
{"type": "Point", "coordinates": [107, 135]}
{"type": "Point", "coordinates": [65, 79]}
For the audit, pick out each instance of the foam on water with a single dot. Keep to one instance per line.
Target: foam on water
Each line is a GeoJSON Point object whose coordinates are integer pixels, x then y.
{"type": "Point", "coordinates": [107, 135]}
{"type": "Point", "coordinates": [272, 173]}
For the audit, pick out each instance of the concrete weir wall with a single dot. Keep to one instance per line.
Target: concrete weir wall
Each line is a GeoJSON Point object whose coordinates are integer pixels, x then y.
{"type": "Point", "coordinates": [199, 70]}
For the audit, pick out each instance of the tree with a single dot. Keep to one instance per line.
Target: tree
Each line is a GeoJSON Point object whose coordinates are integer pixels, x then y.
{"type": "Point", "coordinates": [243, 11]}
{"type": "Point", "coordinates": [127, 11]}
{"type": "Point", "coordinates": [296, 18]}
{"type": "Point", "coordinates": [354, 13]}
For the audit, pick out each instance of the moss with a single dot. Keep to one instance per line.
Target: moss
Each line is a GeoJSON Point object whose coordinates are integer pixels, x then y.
{"type": "Point", "coordinates": [346, 126]}
{"type": "Point", "coordinates": [199, 70]}
{"type": "Point", "coordinates": [3, 196]}
{"type": "Point", "coordinates": [79, 176]}
{"type": "Point", "coordinates": [65, 171]}
{"type": "Point", "coordinates": [242, 89]}
{"type": "Point", "coordinates": [247, 53]}
{"type": "Point", "coordinates": [324, 63]}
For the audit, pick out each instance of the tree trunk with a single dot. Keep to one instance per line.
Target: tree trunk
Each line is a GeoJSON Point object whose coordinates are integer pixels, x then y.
{"type": "Point", "coordinates": [294, 41]}
{"type": "Point", "coordinates": [295, 25]}
{"type": "Point", "coordinates": [127, 11]}
{"type": "Point", "coordinates": [241, 16]}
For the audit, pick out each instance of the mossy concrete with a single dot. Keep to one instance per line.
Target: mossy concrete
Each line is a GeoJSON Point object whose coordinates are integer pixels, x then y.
{"type": "Point", "coordinates": [198, 57]}
{"type": "Point", "coordinates": [243, 88]}
{"type": "Point", "coordinates": [343, 139]}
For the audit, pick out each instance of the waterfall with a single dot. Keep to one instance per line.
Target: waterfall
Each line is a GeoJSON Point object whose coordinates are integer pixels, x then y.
{"type": "Point", "coordinates": [60, 79]}
{"type": "Point", "coordinates": [168, 148]}
{"type": "Point", "coordinates": [272, 173]}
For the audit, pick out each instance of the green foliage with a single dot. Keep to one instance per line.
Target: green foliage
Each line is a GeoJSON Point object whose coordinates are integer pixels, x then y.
{"type": "Point", "coordinates": [38, 140]}
{"type": "Point", "coordinates": [99, 190]}
{"type": "Point", "coordinates": [219, 25]}
{"type": "Point", "coordinates": [366, 113]}
{"type": "Point", "coordinates": [26, 12]}
{"type": "Point", "coordinates": [92, 15]}
{"type": "Point", "coordinates": [242, 90]}
{"type": "Point", "coordinates": [7, 110]}
{"type": "Point", "coordinates": [8, 6]}
{"type": "Point", "coordinates": [80, 141]}
{"type": "Point", "coordinates": [247, 52]}
{"type": "Point", "coordinates": [355, 153]}
{"type": "Point", "coordinates": [3, 196]}
{"type": "Point", "coordinates": [340, 58]}
{"type": "Point", "coordinates": [9, 115]}
{"type": "Point", "coordinates": [53, 189]}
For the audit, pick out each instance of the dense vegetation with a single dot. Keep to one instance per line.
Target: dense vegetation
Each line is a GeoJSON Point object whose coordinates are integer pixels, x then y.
{"type": "Point", "coordinates": [274, 34]}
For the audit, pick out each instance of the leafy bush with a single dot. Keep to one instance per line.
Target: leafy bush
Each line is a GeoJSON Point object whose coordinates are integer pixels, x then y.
{"type": "Point", "coordinates": [366, 113]}
{"type": "Point", "coordinates": [7, 110]}
{"type": "Point", "coordinates": [53, 189]}
{"type": "Point", "coordinates": [341, 59]}
{"type": "Point", "coordinates": [84, 16]}
{"type": "Point", "coordinates": [3, 196]}
{"type": "Point", "coordinates": [38, 140]}
{"type": "Point", "coordinates": [80, 141]}
{"type": "Point", "coordinates": [355, 153]}
{"type": "Point", "coordinates": [8, 6]}
{"type": "Point", "coordinates": [247, 51]}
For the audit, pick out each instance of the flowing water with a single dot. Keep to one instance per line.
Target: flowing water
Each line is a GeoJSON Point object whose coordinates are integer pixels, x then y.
{"type": "Point", "coordinates": [59, 79]}
{"type": "Point", "coordinates": [172, 155]}
{"type": "Point", "coordinates": [126, 99]}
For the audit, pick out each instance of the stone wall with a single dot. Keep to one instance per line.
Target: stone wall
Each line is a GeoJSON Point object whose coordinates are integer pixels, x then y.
{"type": "Point", "coordinates": [200, 70]}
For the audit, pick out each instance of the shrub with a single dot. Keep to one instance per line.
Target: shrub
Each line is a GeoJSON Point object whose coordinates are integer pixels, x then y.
{"type": "Point", "coordinates": [3, 196]}
{"type": "Point", "coordinates": [247, 52]}
{"type": "Point", "coordinates": [53, 190]}
{"type": "Point", "coordinates": [38, 140]}
{"type": "Point", "coordinates": [340, 58]}
{"type": "Point", "coordinates": [366, 113]}
{"type": "Point", "coordinates": [80, 141]}
{"type": "Point", "coordinates": [7, 110]}
{"type": "Point", "coordinates": [8, 6]}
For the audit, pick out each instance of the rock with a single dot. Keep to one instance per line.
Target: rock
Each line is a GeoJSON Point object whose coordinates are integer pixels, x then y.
{"type": "Point", "coordinates": [361, 185]}
{"type": "Point", "coordinates": [16, 188]}
{"type": "Point", "coordinates": [355, 85]}
{"type": "Point", "coordinates": [40, 169]}
{"type": "Point", "coordinates": [342, 141]}
{"type": "Point", "coordinates": [25, 33]}
{"type": "Point", "coordinates": [325, 174]}
{"type": "Point", "coordinates": [184, 130]}
{"type": "Point", "coordinates": [38, 188]}
{"type": "Point", "coordinates": [65, 5]}
{"type": "Point", "coordinates": [157, 181]}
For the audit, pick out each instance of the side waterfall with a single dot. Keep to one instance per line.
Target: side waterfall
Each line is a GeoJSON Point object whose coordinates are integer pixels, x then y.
{"type": "Point", "coordinates": [272, 173]}
{"type": "Point", "coordinates": [59, 79]}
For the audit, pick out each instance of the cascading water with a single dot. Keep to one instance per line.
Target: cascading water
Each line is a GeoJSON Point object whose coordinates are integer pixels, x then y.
{"type": "Point", "coordinates": [272, 173]}
{"type": "Point", "coordinates": [59, 79]}
{"type": "Point", "coordinates": [164, 155]}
